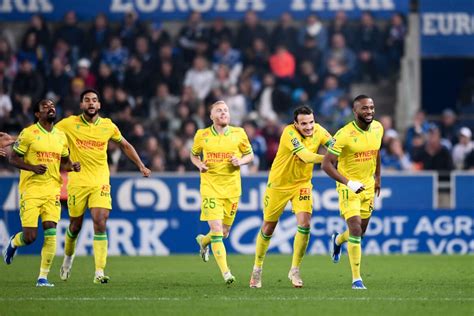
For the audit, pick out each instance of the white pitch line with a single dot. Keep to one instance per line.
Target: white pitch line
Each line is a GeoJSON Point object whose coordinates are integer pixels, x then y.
{"type": "Point", "coordinates": [399, 299]}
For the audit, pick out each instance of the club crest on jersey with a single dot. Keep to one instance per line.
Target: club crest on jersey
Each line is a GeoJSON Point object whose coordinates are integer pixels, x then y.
{"type": "Point", "coordinates": [295, 142]}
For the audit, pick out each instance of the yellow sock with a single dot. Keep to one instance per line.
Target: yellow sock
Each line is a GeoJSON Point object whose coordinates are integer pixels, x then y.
{"type": "Point", "coordinates": [261, 247]}
{"type": "Point", "coordinates": [299, 246]}
{"type": "Point", "coordinates": [100, 251]}
{"type": "Point", "coordinates": [355, 254]}
{"type": "Point", "coordinates": [218, 250]}
{"type": "Point", "coordinates": [70, 243]}
{"type": "Point", "coordinates": [48, 252]}
{"type": "Point", "coordinates": [206, 240]}
{"type": "Point", "coordinates": [18, 240]}
{"type": "Point", "coordinates": [342, 238]}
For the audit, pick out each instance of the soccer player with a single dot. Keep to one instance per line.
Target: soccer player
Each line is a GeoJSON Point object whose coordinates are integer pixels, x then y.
{"type": "Point", "coordinates": [39, 152]}
{"type": "Point", "coordinates": [218, 152]}
{"type": "Point", "coordinates": [356, 152]}
{"type": "Point", "coordinates": [290, 180]}
{"type": "Point", "coordinates": [88, 135]}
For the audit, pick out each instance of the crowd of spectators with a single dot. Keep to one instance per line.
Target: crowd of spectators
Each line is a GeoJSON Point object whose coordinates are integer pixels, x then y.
{"type": "Point", "coordinates": [156, 87]}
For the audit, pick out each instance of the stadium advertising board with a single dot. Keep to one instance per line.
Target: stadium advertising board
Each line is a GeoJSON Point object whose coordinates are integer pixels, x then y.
{"type": "Point", "coordinates": [160, 216]}
{"type": "Point", "coordinates": [14, 10]}
{"type": "Point", "coordinates": [447, 28]}
{"type": "Point", "coordinates": [462, 190]}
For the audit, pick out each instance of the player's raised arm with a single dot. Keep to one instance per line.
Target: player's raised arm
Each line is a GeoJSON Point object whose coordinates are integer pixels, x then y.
{"type": "Point", "coordinates": [132, 154]}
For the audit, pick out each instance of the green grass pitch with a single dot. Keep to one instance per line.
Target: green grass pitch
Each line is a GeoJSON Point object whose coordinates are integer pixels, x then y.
{"type": "Point", "coordinates": [184, 285]}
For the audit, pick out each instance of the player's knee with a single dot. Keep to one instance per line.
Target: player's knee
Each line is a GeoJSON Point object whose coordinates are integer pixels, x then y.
{"type": "Point", "coordinates": [75, 227]}
{"type": "Point", "coordinates": [355, 231]}
{"type": "Point", "coordinates": [268, 228]}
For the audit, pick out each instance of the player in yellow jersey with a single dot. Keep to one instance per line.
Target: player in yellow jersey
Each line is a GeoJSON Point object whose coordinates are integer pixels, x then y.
{"type": "Point", "coordinates": [355, 151]}
{"type": "Point", "coordinates": [290, 180]}
{"type": "Point", "coordinates": [88, 135]}
{"type": "Point", "coordinates": [39, 152]}
{"type": "Point", "coordinates": [218, 152]}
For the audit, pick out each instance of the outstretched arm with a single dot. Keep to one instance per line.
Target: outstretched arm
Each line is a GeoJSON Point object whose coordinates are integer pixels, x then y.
{"type": "Point", "coordinates": [309, 157]}
{"type": "Point", "coordinates": [6, 139]}
{"type": "Point", "coordinates": [131, 153]}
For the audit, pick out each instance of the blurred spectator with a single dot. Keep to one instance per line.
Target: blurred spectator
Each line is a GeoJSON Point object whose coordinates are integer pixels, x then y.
{"type": "Point", "coordinates": [142, 52]}
{"type": "Point", "coordinates": [462, 149]}
{"type": "Point", "coordinates": [190, 34]}
{"type": "Point", "coordinates": [393, 158]}
{"type": "Point", "coordinates": [218, 31]}
{"type": "Point", "coordinates": [158, 36]}
{"type": "Point", "coordinates": [339, 60]}
{"type": "Point", "coordinates": [163, 103]}
{"type": "Point", "coordinates": [314, 28]}
{"type": "Point", "coordinates": [248, 31]}
{"type": "Point", "coordinates": [435, 156]}
{"type": "Point", "coordinates": [83, 72]}
{"type": "Point", "coordinates": [282, 64]}
{"type": "Point", "coordinates": [62, 50]}
{"type": "Point", "coordinates": [170, 75]}
{"type": "Point", "coordinates": [389, 131]}
{"type": "Point", "coordinates": [257, 57]}
{"type": "Point", "coordinates": [272, 102]}
{"type": "Point", "coordinates": [327, 98]}
{"type": "Point", "coordinates": [106, 78]}
{"type": "Point", "coordinates": [395, 41]}
{"type": "Point", "coordinates": [222, 79]}
{"type": "Point", "coordinates": [341, 25]}
{"type": "Point", "coordinates": [8, 58]}
{"type": "Point", "coordinates": [368, 47]}
{"type": "Point", "coordinates": [136, 80]}
{"type": "Point", "coordinates": [71, 103]}
{"type": "Point", "coordinates": [97, 37]}
{"type": "Point", "coordinates": [308, 78]}
{"type": "Point", "coordinates": [31, 49]}
{"type": "Point", "coordinates": [70, 32]}
{"type": "Point", "coordinates": [310, 51]}
{"type": "Point", "coordinates": [5, 106]}
{"type": "Point", "coordinates": [237, 106]}
{"type": "Point", "coordinates": [420, 127]}
{"type": "Point", "coordinates": [285, 34]}
{"type": "Point", "coordinates": [199, 78]}
{"type": "Point", "coordinates": [22, 115]}
{"type": "Point", "coordinates": [271, 132]}
{"type": "Point", "coordinates": [28, 82]}
{"type": "Point", "coordinates": [58, 82]}
{"type": "Point", "coordinates": [259, 146]}
{"type": "Point", "coordinates": [449, 128]}
{"type": "Point", "coordinates": [469, 161]}
{"type": "Point", "coordinates": [230, 57]}
{"type": "Point", "coordinates": [116, 56]}
{"type": "Point", "coordinates": [129, 29]}
{"type": "Point", "coordinates": [340, 115]}
{"type": "Point", "coordinates": [40, 28]}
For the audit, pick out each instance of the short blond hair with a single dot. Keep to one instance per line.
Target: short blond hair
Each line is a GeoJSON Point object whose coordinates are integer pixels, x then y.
{"type": "Point", "coordinates": [216, 103]}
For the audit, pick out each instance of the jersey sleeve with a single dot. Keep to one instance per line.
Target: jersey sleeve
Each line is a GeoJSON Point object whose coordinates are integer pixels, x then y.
{"type": "Point", "coordinates": [338, 143]}
{"type": "Point", "coordinates": [244, 144]}
{"type": "Point", "coordinates": [196, 150]}
{"type": "Point", "coordinates": [116, 135]}
{"type": "Point", "coordinates": [22, 143]}
{"type": "Point", "coordinates": [290, 140]}
{"type": "Point", "coordinates": [326, 138]}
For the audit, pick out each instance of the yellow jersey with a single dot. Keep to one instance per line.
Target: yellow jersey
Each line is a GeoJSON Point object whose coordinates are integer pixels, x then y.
{"type": "Point", "coordinates": [288, 171]}
{"type": "Point", "coordinates": [222, 180]}
{"type": "Point", "coordinates": [88, 144]}
{"type": "Point", "coordinates": [38, 146]}
{"type": "Point", "coordinates": [357, 151]}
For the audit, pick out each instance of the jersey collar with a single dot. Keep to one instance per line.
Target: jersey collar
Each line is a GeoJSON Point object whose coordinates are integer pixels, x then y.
{"type": "Point", "coordinates": [41, 128]}
{"type": "Point", "coordinates": [360, 129]}
{"type": "Point", "coordinates": [215, 133]}
{"type": "Point", "coordinates": [87, 123]}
